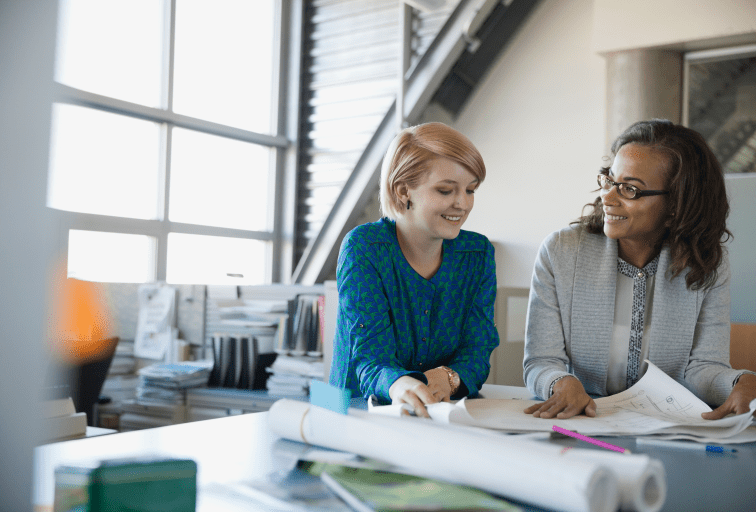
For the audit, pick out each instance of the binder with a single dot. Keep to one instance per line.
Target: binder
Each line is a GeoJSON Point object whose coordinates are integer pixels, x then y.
{"type": "Point", "coordinates": [214, 380]}
{"type": "Point", "coordinates": [229, 374]}
{"type": "Point", "coordinates": [249, 357]}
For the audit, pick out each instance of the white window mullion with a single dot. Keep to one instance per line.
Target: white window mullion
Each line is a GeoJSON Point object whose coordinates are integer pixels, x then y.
{"type": "Point", "coordinates": [214, 159]}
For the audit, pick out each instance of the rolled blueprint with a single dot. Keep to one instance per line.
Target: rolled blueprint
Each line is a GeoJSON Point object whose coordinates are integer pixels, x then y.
{"type": "Point", "coordinates": [641, 479]}
{"type": "Point", "coordinates": [527, 471]}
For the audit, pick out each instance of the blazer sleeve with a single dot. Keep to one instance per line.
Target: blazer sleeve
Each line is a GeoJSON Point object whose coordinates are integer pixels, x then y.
{"type": "Point", "coordinates": [708, 372]}
{"type": "Point", "coordinates": [472, 359]}
{"type": "Point", "coordinates": [545, 352]}
{"type": "Point", "coordinates": [365, 321]}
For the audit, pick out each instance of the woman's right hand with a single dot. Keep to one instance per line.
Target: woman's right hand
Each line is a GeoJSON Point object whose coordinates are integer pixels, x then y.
{"type": "Point", "coordinates": [567, 400]}
{"type": "Point", "coordinates": [408, 390]}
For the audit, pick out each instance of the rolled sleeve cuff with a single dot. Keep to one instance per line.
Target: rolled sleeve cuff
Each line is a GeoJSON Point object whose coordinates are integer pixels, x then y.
{"type": "Point", "coordinates": [550, 380]}
{"type": "Point", "coordinates": [740, 374]}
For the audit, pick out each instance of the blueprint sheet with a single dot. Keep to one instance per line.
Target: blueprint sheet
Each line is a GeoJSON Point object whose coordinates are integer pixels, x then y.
{"type": "Point", "coordinates": [656, 404]}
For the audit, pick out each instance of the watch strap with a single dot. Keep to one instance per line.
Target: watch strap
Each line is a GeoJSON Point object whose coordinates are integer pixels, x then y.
{"type": "Point", "coordinates": [454, 380]}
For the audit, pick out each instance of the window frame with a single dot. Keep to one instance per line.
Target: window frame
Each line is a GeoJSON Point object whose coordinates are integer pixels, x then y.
{"type": "Point", "coordinates": [286, 55]}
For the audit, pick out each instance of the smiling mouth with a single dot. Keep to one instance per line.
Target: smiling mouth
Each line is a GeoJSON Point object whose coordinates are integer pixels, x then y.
{"type": "Point", "coordinates": [614, 217]}
{"type": "Point", "coordinates": [451, 218]}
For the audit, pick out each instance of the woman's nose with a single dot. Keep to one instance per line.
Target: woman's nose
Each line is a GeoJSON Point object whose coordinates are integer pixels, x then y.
{"type": "Point", "coordinates": [609, 196]}
{"type": "Point", "coordinates": [462, 200]}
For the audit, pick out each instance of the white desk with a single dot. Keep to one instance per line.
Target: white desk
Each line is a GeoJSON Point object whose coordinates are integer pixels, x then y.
{"type": "Point", "coordinates": [242, 448]}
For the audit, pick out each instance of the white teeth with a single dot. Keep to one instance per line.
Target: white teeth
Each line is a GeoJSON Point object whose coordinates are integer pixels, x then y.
{"type": "Point", "coordinates": [453, 219]}
{"type": "Point", "coordinates": [615, 217]}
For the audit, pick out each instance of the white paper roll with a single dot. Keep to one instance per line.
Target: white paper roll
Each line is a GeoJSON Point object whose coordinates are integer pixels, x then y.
{"type": "Point", "coordinates": [528, 471]}
{"type": "Point", "coordinates": [642, 481]}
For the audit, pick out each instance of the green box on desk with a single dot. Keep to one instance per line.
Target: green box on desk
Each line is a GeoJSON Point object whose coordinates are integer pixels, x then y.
{"type": "Point", "coordinates": [165, 485]}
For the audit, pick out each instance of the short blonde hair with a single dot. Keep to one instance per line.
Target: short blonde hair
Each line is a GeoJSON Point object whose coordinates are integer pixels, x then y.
{"type": "Point", "coordinates": [409, 155]}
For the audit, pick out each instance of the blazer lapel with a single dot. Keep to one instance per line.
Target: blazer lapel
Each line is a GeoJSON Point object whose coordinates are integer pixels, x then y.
{"type": "Point", "coordinates": [674, 317]}
{"type": "Point", "coordinates": [593, 310]}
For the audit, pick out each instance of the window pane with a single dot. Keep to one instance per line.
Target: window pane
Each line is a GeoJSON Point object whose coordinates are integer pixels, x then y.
{"type": "Point", "coordinates": [112, 48]}
{"type": "Point", "coordinates": [103, 163]}
{"type": "Point", "coordinates": [196, 259]}
{"type": "Point", "coordinates": [223, 61]}
{"type": "Point", "coordinates": [111, 257]}
{"type": "Point", "coordinates": [722, 107]}
{"type": "Point", "coordinates": [218, 182]}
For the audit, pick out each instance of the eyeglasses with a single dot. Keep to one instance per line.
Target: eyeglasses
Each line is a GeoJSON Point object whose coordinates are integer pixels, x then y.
{"type": "Point", "coordinates": [625, 189]}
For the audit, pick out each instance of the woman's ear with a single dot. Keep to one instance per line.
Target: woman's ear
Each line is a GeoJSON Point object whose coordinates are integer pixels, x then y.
{"type": "Point", "coordinates": [668, 221]}
{"type": "Point", "coordinates": [402, 192]}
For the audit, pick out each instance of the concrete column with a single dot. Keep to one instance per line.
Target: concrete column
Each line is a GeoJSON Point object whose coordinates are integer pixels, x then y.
{"type": "Point", "coordinates": [642, 84]}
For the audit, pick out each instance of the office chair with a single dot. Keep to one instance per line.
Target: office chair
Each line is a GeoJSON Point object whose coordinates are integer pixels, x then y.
{"type": "Point", "coordinates": [83, 381]}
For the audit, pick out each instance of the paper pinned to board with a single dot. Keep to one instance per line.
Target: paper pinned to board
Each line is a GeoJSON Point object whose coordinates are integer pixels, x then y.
{"type": "Point", "coordinates": [157, 317]}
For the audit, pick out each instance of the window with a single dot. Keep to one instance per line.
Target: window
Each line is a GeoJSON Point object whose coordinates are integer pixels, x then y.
{"type": "Point", "coordinates": [166, 143]}
{"type": "Point", "coordinates": [721, 104]}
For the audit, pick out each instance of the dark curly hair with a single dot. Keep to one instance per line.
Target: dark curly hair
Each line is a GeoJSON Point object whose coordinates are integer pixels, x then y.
{"type": "Point", "coordinates": [697, 205]}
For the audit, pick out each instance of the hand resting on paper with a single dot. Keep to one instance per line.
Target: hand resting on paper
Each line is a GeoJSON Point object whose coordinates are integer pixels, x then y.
{"type": "Point", "coordinates": [738, 401]}
{"type": "Point", "coordinates": [408, 390]}
{"type": "Point", "coordinates": [568, 399]}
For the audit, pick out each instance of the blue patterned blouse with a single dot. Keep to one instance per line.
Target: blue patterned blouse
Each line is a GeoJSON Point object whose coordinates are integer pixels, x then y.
{"type": "Point", "coordinates": [393, 322]}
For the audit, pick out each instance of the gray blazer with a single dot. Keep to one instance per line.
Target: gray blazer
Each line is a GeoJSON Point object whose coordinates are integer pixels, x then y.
{"type": "Point", "coordinates": [571, 316]}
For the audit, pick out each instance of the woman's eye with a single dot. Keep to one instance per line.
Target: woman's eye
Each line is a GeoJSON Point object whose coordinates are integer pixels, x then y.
{"type": "Point", "coordinates": [444, 192]}
{"type": "Point", "coordinates": [471, 191]}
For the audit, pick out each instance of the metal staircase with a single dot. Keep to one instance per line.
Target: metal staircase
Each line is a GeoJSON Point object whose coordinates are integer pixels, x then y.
{"type": "Point", "coordinates": [349, 121]}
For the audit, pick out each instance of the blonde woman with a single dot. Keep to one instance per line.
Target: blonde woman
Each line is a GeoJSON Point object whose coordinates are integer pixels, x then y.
{"type": "Point", "coordinates": [416, 292]}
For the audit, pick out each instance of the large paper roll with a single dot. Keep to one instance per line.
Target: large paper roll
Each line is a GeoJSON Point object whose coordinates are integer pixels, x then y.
{"type": "Point", "coordinates": [642, 481]}
{"type": "Point", "coordinates": [532, 472]}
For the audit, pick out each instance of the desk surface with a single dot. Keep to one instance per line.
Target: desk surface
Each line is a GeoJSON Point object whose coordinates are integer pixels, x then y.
{"type": "Point", "coordinates": [240, 448]}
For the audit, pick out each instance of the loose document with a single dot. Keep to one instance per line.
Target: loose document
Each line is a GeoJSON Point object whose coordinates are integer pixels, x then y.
{"type": "Point", "coordinates": [656, 404]}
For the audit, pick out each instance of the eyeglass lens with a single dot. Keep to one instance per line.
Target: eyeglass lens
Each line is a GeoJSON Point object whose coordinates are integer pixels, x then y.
{"type": "Point", "coordinates": [624, 189]}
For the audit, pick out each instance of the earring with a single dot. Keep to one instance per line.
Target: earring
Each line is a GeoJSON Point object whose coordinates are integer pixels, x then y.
{"type": "Point", "coordinates": [408, 204]}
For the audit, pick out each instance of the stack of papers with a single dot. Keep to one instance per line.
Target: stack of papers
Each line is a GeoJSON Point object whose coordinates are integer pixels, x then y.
{"type": "Point", "coordinates": [61, 421]}
{"type": "Point", "coordinates": [291, 375]}
{"type": "Point", "coordinates": [167, 383]}
{"type": "Point", "coordinates": [655, 405]}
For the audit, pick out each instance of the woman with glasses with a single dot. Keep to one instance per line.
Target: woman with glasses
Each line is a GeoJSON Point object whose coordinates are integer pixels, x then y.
{"type": "Point", "coordinates": [643, 276]}
{"type": "Point", "coordinates": [415, 322]}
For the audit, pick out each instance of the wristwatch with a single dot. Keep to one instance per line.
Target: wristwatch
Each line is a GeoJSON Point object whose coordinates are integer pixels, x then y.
{"type": "Point", "coordinates": [454, 381]}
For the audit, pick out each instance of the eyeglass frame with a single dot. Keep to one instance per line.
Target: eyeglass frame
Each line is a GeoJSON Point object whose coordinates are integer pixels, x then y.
{"type": "Point", "coordinates": [638, 192]}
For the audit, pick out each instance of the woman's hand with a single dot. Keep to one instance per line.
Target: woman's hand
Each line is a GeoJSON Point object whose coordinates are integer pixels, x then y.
{"type": "Point", "coordinates": [408, 390]}
{"type": "Point", "coordinates": [568, 399]}
{"type": "Point", "coordinates": [438, 384]}
{"type": "Point", "coordinates": [737, 403]}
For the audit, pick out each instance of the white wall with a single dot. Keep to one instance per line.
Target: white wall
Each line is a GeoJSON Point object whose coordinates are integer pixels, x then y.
{"type": "Point", "coordinates": [27, 44]}
{"type": "Point", "coordinates": [538, 121]}
{"type": "Point", "coordinates": [690, 24]}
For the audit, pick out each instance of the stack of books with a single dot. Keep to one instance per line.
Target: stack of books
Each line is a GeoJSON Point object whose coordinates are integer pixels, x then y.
{"type": "Point", "coordinates": [167, 383]}
{"type": "Point", "coordinates": [300, 332]}
{"type": "Point", "coordinates": [291, 375]}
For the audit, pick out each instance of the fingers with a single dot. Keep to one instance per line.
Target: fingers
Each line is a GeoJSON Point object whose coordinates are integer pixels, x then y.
{"type": "Point", "coordinates": [413, 401]}
{"type": "Point", "coordinates": [547, 409]}
{"type": "Point", "coordinates": [417, 396]}
{"type": "Point", "coordinates": [718, 413]}
{"type": "Point", "coordinates": [590, 409]}
{"type": "Point", "coordinates": [563, 406]}
{"type": "Point", "coordinates": [424, 394]}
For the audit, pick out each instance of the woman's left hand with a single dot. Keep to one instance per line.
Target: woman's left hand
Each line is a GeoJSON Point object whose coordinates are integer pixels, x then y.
{"type": "Point", "coordinates": [738, 401]}
{"type": "Point", "coordinates": [438, 384]}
